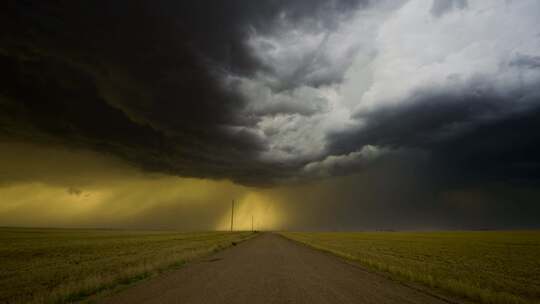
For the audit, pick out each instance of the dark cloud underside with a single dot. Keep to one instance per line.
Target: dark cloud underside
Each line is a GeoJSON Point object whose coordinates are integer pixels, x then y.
{"type": "Point", "coordinates": [140, 80]}
{"type": "Point", "coordinates": [477, 136]}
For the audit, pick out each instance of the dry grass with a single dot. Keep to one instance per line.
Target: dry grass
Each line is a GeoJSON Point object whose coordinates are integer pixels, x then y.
{"type": "Point", "coordinates": [486, 267]}
{"type": "Point", "coordinates": [69, 265]}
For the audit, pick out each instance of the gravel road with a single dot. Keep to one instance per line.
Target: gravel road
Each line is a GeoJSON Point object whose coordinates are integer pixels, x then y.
{"type": "Point", "coordinates": [271, 269]}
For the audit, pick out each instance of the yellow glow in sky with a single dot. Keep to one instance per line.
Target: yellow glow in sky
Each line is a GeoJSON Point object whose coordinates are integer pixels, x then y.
{"type": "Point", "coordinates": [266, 214]}
{"type": "Point", "coordinates": [45, 186]}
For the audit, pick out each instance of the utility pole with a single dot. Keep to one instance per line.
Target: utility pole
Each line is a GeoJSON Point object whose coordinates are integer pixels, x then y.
{"type": "Point", "coordinates": [252, 223]}
{"type": "Point", "coordinates": [232, 215]}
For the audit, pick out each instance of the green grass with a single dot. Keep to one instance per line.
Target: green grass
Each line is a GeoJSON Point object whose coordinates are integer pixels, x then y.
{"type": "Point", "coordinates": [69, 265]}
{"type": "Point", "coordinates": [486, 267]}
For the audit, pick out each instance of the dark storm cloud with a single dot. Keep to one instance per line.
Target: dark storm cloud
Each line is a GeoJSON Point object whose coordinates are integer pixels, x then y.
{"type": "Point", "coordinates": [254, 91]}
{"type": "Point", "coordinates": [440, 7]}
{"type": "Point", "coordinates": [472, 135]}
{"type": "Point", "coordinates": [142, 80]}
{"type": "Point", "coordinates": [526, 61]}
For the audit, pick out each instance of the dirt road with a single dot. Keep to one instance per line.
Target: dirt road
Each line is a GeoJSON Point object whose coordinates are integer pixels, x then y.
{"type": "Point", "coordinates": [271, 269]}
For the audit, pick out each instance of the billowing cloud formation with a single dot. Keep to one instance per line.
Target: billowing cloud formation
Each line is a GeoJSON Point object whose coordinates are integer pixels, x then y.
{"type": "Point", "coordinates": [462, 61]}
{"type": "Point", "coordinates": [352, 162]}
{"type": "Point", "coordinates": [275, 92]}
{"type": "Point", "coordinates": [144, 81]}
{"type": "Point", "coordinates": [464, 89]}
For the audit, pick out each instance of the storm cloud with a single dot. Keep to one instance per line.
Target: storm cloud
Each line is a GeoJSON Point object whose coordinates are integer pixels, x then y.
{"type": "Point", "coordinates": [273, 94]}
{"type": "Point", "coordinates": [143, 80]}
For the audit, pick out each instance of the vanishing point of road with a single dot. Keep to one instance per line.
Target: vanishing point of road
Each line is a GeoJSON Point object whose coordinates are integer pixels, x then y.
{"type": "Point", "coordinates": [271, 269]}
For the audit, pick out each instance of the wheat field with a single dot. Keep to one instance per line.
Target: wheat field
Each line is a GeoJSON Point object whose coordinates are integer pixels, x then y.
{"type": "Point", "coordinates": [69, 265]}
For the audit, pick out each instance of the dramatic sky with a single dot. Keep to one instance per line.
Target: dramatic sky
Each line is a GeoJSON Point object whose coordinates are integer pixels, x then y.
{"type": "Point", "coordinates": [311, 114]}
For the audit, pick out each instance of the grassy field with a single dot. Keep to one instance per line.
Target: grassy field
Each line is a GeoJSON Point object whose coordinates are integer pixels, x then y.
{"type": "Point", "coordinates": [486, 267]}
{"type": "Point", "coordinates": [67, 265]}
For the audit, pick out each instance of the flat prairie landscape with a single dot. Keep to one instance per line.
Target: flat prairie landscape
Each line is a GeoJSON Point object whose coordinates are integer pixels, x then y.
{"type": "Point", "coordinates": [68, 265]}
{"type": "Point", "coordinates": [485, 267]}
{"type": "Point", "coordinates": [77, 265]}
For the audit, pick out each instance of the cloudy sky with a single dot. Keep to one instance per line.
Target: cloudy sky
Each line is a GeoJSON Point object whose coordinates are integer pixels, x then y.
{"type": "Point", "coordinates": [311, 114]}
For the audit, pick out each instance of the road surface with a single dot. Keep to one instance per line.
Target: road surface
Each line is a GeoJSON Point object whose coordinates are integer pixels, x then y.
{"type": "Point", "coordinates": [271, 269]}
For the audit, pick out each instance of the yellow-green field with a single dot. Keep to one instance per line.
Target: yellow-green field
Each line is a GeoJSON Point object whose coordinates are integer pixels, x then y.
{"type": "Point", "coordinates": [67, 265]}
{"type": "Point", "coordinates": [486, 267]}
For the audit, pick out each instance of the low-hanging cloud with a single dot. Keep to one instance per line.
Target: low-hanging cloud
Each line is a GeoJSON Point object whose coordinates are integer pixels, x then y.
{"type": "Point", "coordinates": [341, 164]}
